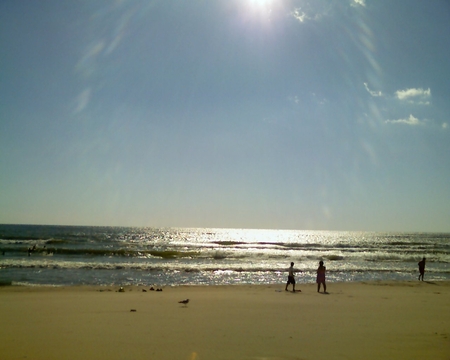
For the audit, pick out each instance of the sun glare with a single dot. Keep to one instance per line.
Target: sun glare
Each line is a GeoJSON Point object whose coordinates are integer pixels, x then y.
{"type": "Point", "coordinates": [263, 7]}
{"type": "Point", "coordinates": [260, 2]}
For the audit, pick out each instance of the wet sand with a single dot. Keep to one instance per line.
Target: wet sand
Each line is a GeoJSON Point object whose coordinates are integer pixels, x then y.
{"type": "Point", "coordinates": [374, 320]}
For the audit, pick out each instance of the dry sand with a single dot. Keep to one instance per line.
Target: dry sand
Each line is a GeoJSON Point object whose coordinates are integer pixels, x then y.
{"type": "Point", "coordinates": [376, 320]}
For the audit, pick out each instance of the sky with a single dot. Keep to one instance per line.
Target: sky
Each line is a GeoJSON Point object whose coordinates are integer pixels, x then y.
{"type": "Point", "coordinates": [269, 114]}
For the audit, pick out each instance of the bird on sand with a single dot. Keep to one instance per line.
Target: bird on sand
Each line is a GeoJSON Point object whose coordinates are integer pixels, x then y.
{"type": "Point", "coordinates": [185, 301]}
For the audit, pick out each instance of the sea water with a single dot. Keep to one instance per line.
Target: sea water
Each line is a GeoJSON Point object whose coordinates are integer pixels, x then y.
{"type": "Point", "coordinates": [80, 255]}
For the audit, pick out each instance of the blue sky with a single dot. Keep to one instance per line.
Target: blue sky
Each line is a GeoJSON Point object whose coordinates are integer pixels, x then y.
{"type": "Point", "coordinates": [314, 115]}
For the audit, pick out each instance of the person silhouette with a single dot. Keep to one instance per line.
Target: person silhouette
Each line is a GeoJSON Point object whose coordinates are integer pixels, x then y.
{"type": "Point", "coordinates": [421, 268]}
{"type": "Point", "coordinates": [291, 278]}
{"type": "Point", "coordinates": [321, 277]}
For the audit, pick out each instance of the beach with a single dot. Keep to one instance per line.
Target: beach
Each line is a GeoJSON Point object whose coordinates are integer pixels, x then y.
{"type": "Point", "coordinates": [355, 320]}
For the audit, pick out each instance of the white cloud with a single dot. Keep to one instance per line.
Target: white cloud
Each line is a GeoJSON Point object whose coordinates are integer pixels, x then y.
{"type": "Point", "coordinates": [299, 15]}
{"type": "Point", "coordinates": [359, 3]}
{"type": "Point", "coordinates": [413, 121]}
{"type": "Point", "coordinates": [313, 11]}
{"type": "Point", "coordinates": [373, 93]}
{"type": "Point", "coordinates": [444, 125]}
{"type": "Point", "coordinates": [413, 95]}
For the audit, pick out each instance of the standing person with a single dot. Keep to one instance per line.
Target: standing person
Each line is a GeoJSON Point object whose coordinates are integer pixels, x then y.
{"type": "Point", "coordinates": [321, 277]}
{"type": "Point", "coordinates": [421, 268]}
{"type": "Point", "coordinates": [291, 278]}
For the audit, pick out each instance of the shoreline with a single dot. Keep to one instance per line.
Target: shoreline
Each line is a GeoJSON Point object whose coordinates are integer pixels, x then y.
{"type": "Point", "coordinates": [27, 286]}
{"type": "Point", "coordinates": [8, 285]}
{"type": "Point", "coordinates": [355, 320]}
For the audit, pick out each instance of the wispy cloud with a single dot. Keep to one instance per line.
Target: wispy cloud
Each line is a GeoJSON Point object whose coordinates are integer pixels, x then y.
{"type": "Point", "coordinates": [371, 92]}
{"type": "Point", "coordinates": [444, 125]}
{"type": "Point", "coordinates": [82, 100]}
{"type": "Point", "coordinates": [313, 11]}
{"type": "Point", "coordinates": [358, 3]}
{"type": "Point", "coordinates": [299, 15]}
{"type": "Point", "coordinates": [294, 99]}
{"type": "Point", "coordinates": [414, 96]}
{"type": "Point", "coordinates": [321, 101]}
{"type": "Point", "coordinates": [402, 100]}
{"type": "Point", "coordinates": [412, 121]}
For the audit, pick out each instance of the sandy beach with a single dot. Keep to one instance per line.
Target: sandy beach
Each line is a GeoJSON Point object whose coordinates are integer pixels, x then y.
{"type": "Point", "coordinates": [376, 320]}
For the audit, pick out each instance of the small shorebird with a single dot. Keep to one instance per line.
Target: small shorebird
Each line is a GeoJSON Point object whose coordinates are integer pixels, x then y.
{"type": "Point", "coordinates": [185, 301]}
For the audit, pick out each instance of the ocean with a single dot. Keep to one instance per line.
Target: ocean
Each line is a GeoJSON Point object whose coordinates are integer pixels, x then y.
{"type": "Point", "coordinates": [83, 255]}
